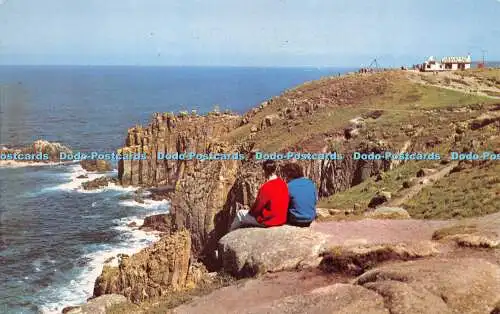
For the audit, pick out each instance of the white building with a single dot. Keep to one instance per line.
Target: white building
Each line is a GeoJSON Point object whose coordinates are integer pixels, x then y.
{"type": "Point", "coordinates": [447, 64]}
{"type": "Point", "coordinates": [456, 63]}
{"type": "Point", "coordinates": [432, 65]}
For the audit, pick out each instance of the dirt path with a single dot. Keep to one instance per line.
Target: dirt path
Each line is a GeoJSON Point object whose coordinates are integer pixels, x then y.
{"type": "Point", "coordinates": [423, 182]}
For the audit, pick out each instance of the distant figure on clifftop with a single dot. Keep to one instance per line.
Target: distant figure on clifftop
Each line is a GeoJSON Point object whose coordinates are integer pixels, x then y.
{"type": "Point", "coordinates": [271, 205]}
{"type": "Point", "coordinates": [303, 197]}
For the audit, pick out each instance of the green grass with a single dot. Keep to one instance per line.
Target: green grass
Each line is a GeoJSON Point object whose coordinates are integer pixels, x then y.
{"type": "Point", "coordinates": [490, 77]}
{"type": "Point", "coordinates": [470, 192]}
{"type": "Point", "coordinates": [404, 104]}
{"type": "Point", "coordinates": [400, 98]}
{"type": "Point", "coordinates": [491, 93]}
{"type": "Point", "coordinates": [279, 138]}
{"type": "Point", "coordinates": [362, 193]}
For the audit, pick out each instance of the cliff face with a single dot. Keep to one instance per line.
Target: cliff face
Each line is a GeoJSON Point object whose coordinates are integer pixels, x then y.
{"type": "Point", "coordinates": [152, 272]}
{"type": "Point", "coordinates": [169, 134]}
{"type": "Point", "coordinates": [199, 204]}
{"type": "Point", "coordinates": [317, 117]}
{"type": "Point", "coordinates": [201, 187]}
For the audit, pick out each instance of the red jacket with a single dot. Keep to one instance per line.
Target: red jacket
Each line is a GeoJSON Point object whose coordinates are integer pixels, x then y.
{"type": "Point", "coordinates": [271, 206]}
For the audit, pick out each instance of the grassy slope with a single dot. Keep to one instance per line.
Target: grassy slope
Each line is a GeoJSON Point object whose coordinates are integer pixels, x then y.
{"type": "Point", "coordinates": [431, 110]}
{"type": "Point", "coordinates": [462, 194]}
{"type": "Point", "coordinates": [489, 76]}
{"type": "Point", "coordinates": [400, 98]}
{"type": "Point", "coordinates": [473, 191]}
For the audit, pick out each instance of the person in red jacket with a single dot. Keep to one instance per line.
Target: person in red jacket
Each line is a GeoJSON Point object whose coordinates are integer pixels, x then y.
{"type": "Point", "coordinates": [271, 205]}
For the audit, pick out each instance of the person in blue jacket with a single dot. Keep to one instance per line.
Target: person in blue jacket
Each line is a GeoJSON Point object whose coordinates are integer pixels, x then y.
{"type": "Point", "coordinates": [303, 196]}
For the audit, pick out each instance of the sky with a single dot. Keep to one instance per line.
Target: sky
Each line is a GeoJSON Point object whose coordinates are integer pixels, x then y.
{"type": "Point", "coordinates": [246, 32]}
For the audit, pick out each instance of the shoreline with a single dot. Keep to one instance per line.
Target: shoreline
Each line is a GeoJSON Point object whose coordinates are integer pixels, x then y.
{"type": "Point", "coordinates": [11, 164]}
{"type": "Point", "coordinates": [132, 240]}
{"type": "Point", "coordinates": [129, 239]}
{"type": "Point", "coordinates": [81, 287]}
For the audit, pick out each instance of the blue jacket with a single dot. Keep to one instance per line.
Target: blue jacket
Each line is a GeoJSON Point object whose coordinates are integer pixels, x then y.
{"type": "Point", "coordinates": [302, 205]}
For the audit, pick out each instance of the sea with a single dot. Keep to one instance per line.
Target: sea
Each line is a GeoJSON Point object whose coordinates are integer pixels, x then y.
{"type": "Point", "coordinates": [54, 236]}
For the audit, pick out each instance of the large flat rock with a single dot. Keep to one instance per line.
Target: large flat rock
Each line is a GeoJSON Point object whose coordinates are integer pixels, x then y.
{"type": "Point", "coordinates": [337, 298]}
{"type": "Point", "coordinates": [479, 232]}
{"type": "Point", "coordinates": [251, 251]}
{"type": "Point", "coordinates": [265, 289]}
{"type": "Point", "coordinates": [378, 231]}
{"type": "Point", "coordinates": [463, 285]}
{"type": "Point", "coordinates": [432, 285]}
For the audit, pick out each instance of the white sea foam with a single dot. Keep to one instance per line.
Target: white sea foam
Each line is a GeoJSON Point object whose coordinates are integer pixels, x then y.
{"type": "Point", "coordinates": [24, 164]}
{"type": "Point", "coordinates": [77, 290]}
{"type": "Point", "coordinates": [80, 288]}
{"type": "Point", "coordinates": [148, 204]}
{"type": "Point", "coordinates": [75, 183]}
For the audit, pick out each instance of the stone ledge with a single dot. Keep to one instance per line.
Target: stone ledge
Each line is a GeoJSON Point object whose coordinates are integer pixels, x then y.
{"type": "Point", "coordinates": [252, 251]}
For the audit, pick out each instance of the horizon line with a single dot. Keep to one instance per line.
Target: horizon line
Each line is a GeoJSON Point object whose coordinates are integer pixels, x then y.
{"type": "Point", "coordinates": [180, 66]}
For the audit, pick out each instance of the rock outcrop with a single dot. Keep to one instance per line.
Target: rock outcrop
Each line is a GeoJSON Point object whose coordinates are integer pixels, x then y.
{"type": "Point", "coordinates": [98, 305]}
{"type": "Point", "coordinates": [160, 222]}
{"type": "Point", "coordinates": [169, 134]}
{"type": "Point", "coordinates": [40, 150]}
{"type": "Point", "coordinates": [482, 232]}
{"type": "Point", "coordinates": [98, 183]}
{"type": "Point", "coordinates": [152, 272]}
{"type": "Point", "coordinates": [197, 188]}
{"type": "Point", "coordinates": [356, 259]}
{"type": "Point", "coordinates": [430, 285]}
{"type": "Point", "coordinates": [388, 213]}
{"type": "Point", "coordinates": [93, 165]}
{"type": "Point", "coordinates": [200, 206]}
{"type": "Point", "coordinates": [252, 251]}
{"type": "Point", "coordinates": [380, 198]}
{"type": "Point", "coordinates": [338, 299]}
{"type": "Point", "coordinates": [463, 285]}
{"type": "Point", "coordinates": [53, 149]}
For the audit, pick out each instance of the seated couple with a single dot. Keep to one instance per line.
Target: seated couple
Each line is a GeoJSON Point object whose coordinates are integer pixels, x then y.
{"type": "Point", "coordinates": [278, 203]}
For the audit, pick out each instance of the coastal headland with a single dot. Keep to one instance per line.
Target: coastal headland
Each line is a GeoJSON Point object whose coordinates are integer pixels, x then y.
{"type": "Point", "coordinates": [416, 228]}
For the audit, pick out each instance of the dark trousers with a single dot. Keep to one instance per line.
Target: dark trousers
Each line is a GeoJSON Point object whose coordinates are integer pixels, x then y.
{"type": "Point", "coordinates": [291, 220]}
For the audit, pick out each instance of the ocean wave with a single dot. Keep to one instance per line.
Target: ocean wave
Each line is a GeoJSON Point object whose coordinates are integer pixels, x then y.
{"type": "Point", "coordinates": [77, 290]}
{"type": "Point", "coordinates": [124, 223]}
{"type": "Point", "coordinates": [148, 204]}
{"type": "Point", "coordinates": [111, 187]}
{"type": "Point", "coordinates": [75, 183]}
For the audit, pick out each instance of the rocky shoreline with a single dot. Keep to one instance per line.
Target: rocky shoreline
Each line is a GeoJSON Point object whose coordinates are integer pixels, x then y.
{"type": "Point", "coordinates": [204, 196]}
{"type": "Point", "coordinates": [38, 153]}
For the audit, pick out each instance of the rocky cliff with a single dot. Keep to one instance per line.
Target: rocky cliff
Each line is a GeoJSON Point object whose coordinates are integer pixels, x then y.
{"type": "Point", "coordinates": [208, 193]}
{"type": "Point", "coordinates": [166, 266]}
{"type": "Point", "coordinates": [364, 113]}
{"type": "Point", "coordinates": [170, 133]}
